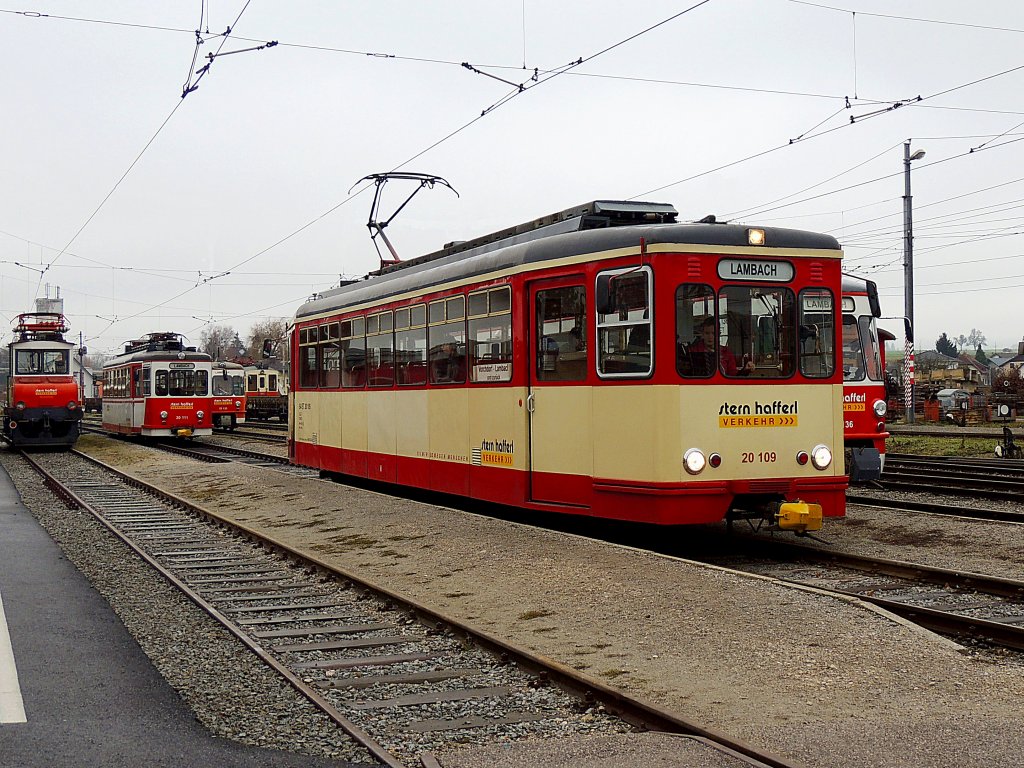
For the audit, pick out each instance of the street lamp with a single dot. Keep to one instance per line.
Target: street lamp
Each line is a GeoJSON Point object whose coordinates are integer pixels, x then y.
{"type": "Point", "coordinates": [908, 280]}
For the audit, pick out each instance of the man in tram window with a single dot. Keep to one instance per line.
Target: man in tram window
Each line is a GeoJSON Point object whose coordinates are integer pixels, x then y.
{"type": "Point", "coordinates": [702, 354]}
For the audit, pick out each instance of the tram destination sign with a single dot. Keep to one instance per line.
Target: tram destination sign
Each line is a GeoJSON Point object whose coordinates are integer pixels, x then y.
{"type": "Point", "coordinates": [756, 269]}
{"type": "Point", "coordinates": [181, 365]}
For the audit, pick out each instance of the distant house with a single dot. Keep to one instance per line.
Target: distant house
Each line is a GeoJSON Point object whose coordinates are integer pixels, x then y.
{"type": "Point", "coordinates": [1014, 362]}
{"type": "Point", "coordinates": [935, 370]}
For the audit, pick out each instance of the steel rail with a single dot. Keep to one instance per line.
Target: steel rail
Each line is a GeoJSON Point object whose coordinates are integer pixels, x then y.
{"type": "Point", "coordinates": [75, 501]}
{"type": "Point", "coordinates": [639, 713]}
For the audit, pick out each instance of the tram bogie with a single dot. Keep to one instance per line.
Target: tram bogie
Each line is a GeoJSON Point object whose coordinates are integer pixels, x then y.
{"type": "Point", "coordinates": [44, 406]}
{"type": "Point", "coordinates": [158, 388]}
{"type": "Point", "coordinates": [604, 361]}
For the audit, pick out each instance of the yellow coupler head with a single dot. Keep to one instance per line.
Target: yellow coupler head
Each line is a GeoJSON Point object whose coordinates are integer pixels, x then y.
{"type": "Point", "coordinates": [188, 433]}
{"type": "Point", "coordinates": [799, 516]}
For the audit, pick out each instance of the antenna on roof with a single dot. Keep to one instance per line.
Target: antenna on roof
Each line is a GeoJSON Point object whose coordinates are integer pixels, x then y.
{"type": "Point", "coordinates": [377, 226]}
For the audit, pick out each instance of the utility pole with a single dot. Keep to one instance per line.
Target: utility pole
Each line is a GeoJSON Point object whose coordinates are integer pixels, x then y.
{"type": "Point", "coordinates": [908, 281]}
{"type": "Point", "coordinates": [81, 368]}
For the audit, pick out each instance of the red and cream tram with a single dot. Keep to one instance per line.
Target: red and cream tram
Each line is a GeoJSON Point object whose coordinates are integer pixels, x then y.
{"type": "Point", "coordinates": [864, 394]}
{"type": "Point", "coordinates": [227, 385]}
{"type": "Point", "coordinates": [44, 406]}
{"type": "Point", "coordinates": [602, 361]}
{"type": "Point", "coordinates": [266, 392]}
{"type": "Point", "coordinates": [158, 388]}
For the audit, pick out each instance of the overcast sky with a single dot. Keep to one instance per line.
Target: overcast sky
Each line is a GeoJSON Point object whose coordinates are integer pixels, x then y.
{"type": "Point", "coordinates": [155, 212]}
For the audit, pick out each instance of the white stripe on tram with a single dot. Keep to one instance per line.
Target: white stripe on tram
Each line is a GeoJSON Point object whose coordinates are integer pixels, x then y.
{"type": "Point", "coordinates": [12, 708]}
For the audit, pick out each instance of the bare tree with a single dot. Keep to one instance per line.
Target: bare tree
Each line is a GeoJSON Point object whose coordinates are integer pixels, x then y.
{"type": "Point", "coordinates": [217, 341]}
{"type": "Point", "coordinates": [973, 340]}
{"type": "Point", "coordinates": [274, 330]}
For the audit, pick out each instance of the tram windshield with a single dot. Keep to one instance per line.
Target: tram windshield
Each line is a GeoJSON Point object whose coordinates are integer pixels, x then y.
{"type": "Point", "coordinates": [861, 355]}
{"type": "Point", "coordinates": [41, 361]}
{"type": "Point", "coordinates": [182, 383]}
{"type": "Point", "coordinates": [753, 331]}
{"type": "Point", "coordinates": [228, 385]}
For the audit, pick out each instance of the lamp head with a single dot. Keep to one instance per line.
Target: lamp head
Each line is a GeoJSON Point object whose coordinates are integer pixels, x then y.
{"type": "Point", "coordinates": [917, 155]}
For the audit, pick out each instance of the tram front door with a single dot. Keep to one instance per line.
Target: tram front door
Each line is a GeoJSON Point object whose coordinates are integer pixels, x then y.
{"type": "Point", "coordinates": [559, 397]}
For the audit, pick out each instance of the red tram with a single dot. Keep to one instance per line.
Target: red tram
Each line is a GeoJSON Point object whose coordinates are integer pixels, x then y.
{"type": "Point", "coordinates": [603, 361]}
{"type": "Point", "coordinates": [159, 388]}
{"type": "Point", "coordinates": [266, 392]}
{"type": "Point", "coordinates": [864, 393]}
{"type": "Point", "coordinates": [228, 388]}
{"type": "Point", "coordinates": [44, 405]}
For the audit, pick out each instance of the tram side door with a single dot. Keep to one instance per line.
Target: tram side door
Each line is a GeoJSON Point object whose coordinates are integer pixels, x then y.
{"type": "Point", "coordinates": [559, 395]}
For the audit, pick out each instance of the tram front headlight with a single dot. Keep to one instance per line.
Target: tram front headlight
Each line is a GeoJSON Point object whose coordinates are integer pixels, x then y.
{"type": "Point", "coordinates": [821, 457]}
{"type": "Point", "coordinates": [199, 415]}
{"type": "Point", "coordinates": [163, 415]}
{"type": "Point", "coordinates": [238, 403]}
{"type": "Point", "coordinates": [694, 461]}
{"type": "Point", "coordinates": [20, 405]}
{"type": "Point", "coordinates": [880, 408]}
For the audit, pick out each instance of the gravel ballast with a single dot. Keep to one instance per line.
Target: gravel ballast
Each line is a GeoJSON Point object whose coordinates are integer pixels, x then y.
{"type": "Point", "coordinates": [824, 681]}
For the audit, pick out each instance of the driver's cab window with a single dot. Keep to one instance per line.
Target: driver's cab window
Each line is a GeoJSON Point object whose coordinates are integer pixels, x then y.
{"type": "Point", "coordinates": [853, 351]}
{"type": "Point", "coordinates": [695, 331]}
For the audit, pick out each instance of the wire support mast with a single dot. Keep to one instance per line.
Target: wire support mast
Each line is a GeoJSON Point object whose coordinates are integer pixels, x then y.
{"type": "Point", "coordinates": [375, 224]}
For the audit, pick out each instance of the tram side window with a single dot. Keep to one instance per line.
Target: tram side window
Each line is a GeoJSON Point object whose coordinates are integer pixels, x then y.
{"type": "Point", "coordinates": [490, 335]}
{"type": "Point", "coordinates": [561, 322]}
{"type": "Point", "coordinates": [353, 355]}
{"type": "Point", "coordinates": [146, 382]}
{"type": "Point", "coordinates": [250, 382]}
{"type": "Point", "coordinates": [237, 386]}
{"type": "Point", "coordinates": [380, 349]}
{"type": "Point", "coordinates": [330, 357]}
{"type": "Point", "coordinates": [272, 383]}
{"type": "Point", "coordinates": [624, 324]}
{"type": "Point", "coordinates": [446, 336]}
{"type": "Point", "coordinates": [308, 364]}
{"type": "Point", "coordinates": [161, 383]}
{"type": "Point", "coordinates": [411, 345]}
{"type": "Point", "coordinates": [816, 339]}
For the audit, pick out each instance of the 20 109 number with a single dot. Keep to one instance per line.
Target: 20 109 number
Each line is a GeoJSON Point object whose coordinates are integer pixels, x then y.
{"type": "Point", "coordinates": [764, 457]}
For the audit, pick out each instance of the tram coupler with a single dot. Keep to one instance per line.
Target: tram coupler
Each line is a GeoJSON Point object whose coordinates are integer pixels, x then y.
{"type": "Point", "coordinates": [797, 516]}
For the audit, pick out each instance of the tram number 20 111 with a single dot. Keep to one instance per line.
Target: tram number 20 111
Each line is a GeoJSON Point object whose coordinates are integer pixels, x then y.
{"type": "Point", "coordinates": [764, 457]}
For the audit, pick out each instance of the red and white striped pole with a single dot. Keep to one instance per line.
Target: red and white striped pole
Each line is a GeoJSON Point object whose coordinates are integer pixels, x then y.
{"type": "Point", "coordinates": [908, 378]}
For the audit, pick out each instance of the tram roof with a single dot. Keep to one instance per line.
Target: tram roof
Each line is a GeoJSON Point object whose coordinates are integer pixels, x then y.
{"type": "Point", "coordinates": [147, 356]}
{"type": "Point", "coordinates": [598, 226]}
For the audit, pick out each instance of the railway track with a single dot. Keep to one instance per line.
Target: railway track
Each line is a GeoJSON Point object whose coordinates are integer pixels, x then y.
{"type": "Point", "coordinates": [396, 676]}
{"type": "Point", "coordinates": [946, 601]}
{"type": "Point", "coordinates": [955, 603]}
{"type": "Point", "coordinates": [995, 479]}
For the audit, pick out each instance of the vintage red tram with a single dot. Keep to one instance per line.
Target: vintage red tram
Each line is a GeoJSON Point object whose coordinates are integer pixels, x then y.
{"type": "Point", "coordinates": [227, 385]}
{"type": "Point", "coordinates": [604, 361]}
{"type": "Point", "coordinates": [864, 393]}
{"type": "Point", "coordinates": [158, 387]}
{"type": "Point", "coordinates": [44, 405]}
{"type": "Point", "coordinates": [266, 392]}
